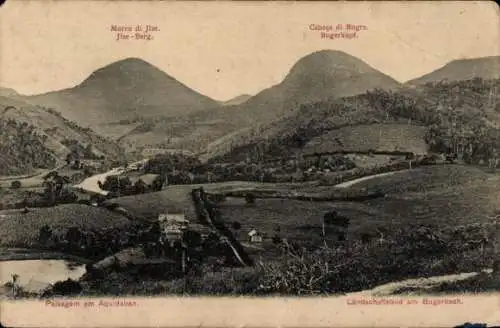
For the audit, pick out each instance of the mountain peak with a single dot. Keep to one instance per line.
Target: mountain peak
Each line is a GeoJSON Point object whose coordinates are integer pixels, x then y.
{"type": "Point", "coordinates": [132, 61]}
{"type": "Point", "coordinates": [332, 74]}
{"type": "Point", "coordinates": [128, 68]}
{"type": "Point", "coordinates": [126, 89]}
{"type": "Point", "coordinates": [329, 64]}
{"type": "Point", "coordinates": [328, 54]}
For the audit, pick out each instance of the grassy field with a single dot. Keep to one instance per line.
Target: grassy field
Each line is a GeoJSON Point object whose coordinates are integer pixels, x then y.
{"type": "Point", "coordinates": [177, 198]}
{"type": "Point", "coordinates": [450, 194]}
{"type": "Point", "coordinates": [26, 183]}
{"type": "Point", "coordinates": [432, 194]}
{"type": "Point", "coordinates": [375, 137]}
{"type": "Point", "coordinates": [440, 196]}
{"type": "Point", "coordinates": [22, 229]}
{"type": "Point", "coordinates": [297, 221]}
{"type": "Point", "coordinates": [425, 178]}
{"type": "Point", "coordinates": [36, 180]}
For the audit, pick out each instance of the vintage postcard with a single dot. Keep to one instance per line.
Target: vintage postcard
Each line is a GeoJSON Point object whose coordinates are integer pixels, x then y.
{"type": "Point", "coordinates": [262, 164]}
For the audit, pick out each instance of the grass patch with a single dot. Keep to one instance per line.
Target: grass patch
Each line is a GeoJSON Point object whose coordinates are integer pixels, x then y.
{"type": "Point", "coordinates": [371, 137]}
{"type": "Point", "coordinates": [19, 229]}
{"type": "Point", "coordinates": [424, 179]}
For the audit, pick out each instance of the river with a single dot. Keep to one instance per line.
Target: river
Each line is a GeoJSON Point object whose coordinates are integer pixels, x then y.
{"type": "Point", "coordinates": [36, 275]}
{"type": "Point", "coordinates": [91, 183]}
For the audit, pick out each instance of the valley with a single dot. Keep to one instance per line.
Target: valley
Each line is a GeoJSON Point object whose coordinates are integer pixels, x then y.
{"type": "Point", "coordinates": [336, 180]}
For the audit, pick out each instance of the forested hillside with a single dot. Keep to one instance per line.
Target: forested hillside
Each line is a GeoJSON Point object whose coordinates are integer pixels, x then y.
{"type": "Point", "coordinates": [59, 131]}
{"type": "Point", "coordinates": [462, 114]}
{"type": "Point", "coordinates": [22, 148]}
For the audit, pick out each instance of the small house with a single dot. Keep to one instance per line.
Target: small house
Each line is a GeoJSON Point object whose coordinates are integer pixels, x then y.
{"type": "Point", "coordinates": [173, 233]}
{"type": "Point", "coordinates": [173, 225]}
{"type": "Point", "coordinates": [255, 236]}
{"type": "Point", "coordinates": [174, 219]}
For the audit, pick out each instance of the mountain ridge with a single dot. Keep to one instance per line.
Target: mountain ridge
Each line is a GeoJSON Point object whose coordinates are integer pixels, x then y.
{"type": "Point", "coordinates": [487, 67]}
{"type": "Point", "coordinates": [145, 119]}
{"type": "Point", "coordinates": [52, 134]}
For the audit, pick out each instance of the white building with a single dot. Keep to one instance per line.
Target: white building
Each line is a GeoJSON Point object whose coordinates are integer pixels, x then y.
{"type": "Point", "coordinates": [255, 236]}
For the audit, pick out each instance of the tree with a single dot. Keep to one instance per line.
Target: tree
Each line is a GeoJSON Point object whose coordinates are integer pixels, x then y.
{"type": "Point", "coordinates": [492, 158]}
{"type": "Point", "coordinates": [116, 184]}
{"type": "Point", "coordinates": [68, 159]}
{"type": "Point", "coordinates": [89, 151]}
{"type": "Point", "coordinates": [64, 288]}
{"type": "Point", "coordinates": [336, 222]}
{"type": "Point", "coordinates": [410, 158]}
{"type": "Point", "coordinates": [45, 234]}
{"type": "Point", "coordinates": [192, 238]}
{"type": "Point", "coordinates": [77, 165]}
{"type": "Point", "coordinates": [276, 238]}
{"type": "Point", "coordinates": [250, 198]}
{"type": "Point", "coordinates": [159, 182]}
{"type": "Point", "coordinates": [236, 225]}
{"type": "Point", "coordinates": [140, 187]}
{"type": "Point", "coordinates": [15, 285]}
{"type": "Point", "coordinates": [60, 182]}
{"type": "Point", "coordinates": [74, 236]}
{"type": "Point", "coordinates": [54, 188]}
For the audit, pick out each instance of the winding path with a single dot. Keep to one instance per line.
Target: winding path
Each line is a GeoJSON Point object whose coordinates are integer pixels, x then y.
{"type": "Point", "coordinates": [416, 284]}
{"type": "Point", "coordinates": [368, 177]}
{"type": "Point", "coordinates": [38, 174]}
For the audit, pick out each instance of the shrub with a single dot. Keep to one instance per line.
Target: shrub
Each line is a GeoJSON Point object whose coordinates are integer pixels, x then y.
{"type": "Point", "coordinates": [250, 198]}
{"type": "Point", "coordinates": [236, 225]}
{"type": "Point", "coordinates": [63, 288]}
{"type": "Point", "coordinates": [16, 184]}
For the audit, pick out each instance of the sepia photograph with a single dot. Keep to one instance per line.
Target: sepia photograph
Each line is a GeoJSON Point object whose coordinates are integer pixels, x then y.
{"type": "Point", "coordinates": [155, 149]}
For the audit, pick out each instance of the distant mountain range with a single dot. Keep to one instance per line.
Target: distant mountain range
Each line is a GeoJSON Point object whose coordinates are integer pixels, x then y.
{"type": "Point", "coordinates": [7, 92]}
{"type": "Point", "coordinates": [318, 76]}
{"type": "Point", "coordinates": [138, 105]}
{"type": "Point", "coordinates": [463, 69]}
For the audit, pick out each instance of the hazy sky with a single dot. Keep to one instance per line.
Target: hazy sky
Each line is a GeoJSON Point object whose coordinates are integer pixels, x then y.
{"type": "Point", "coordinates": [224, 49]}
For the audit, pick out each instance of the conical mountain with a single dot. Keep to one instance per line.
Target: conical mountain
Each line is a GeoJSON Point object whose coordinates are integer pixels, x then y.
{"type": "Point", "coordinates": [329, 73]}
{"type": "Point", "coordinates": [125, 90]}
{"type": "Point", "coordinates": [319, 76]}
{"type": "Point", "coordinates": [325, 74]}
